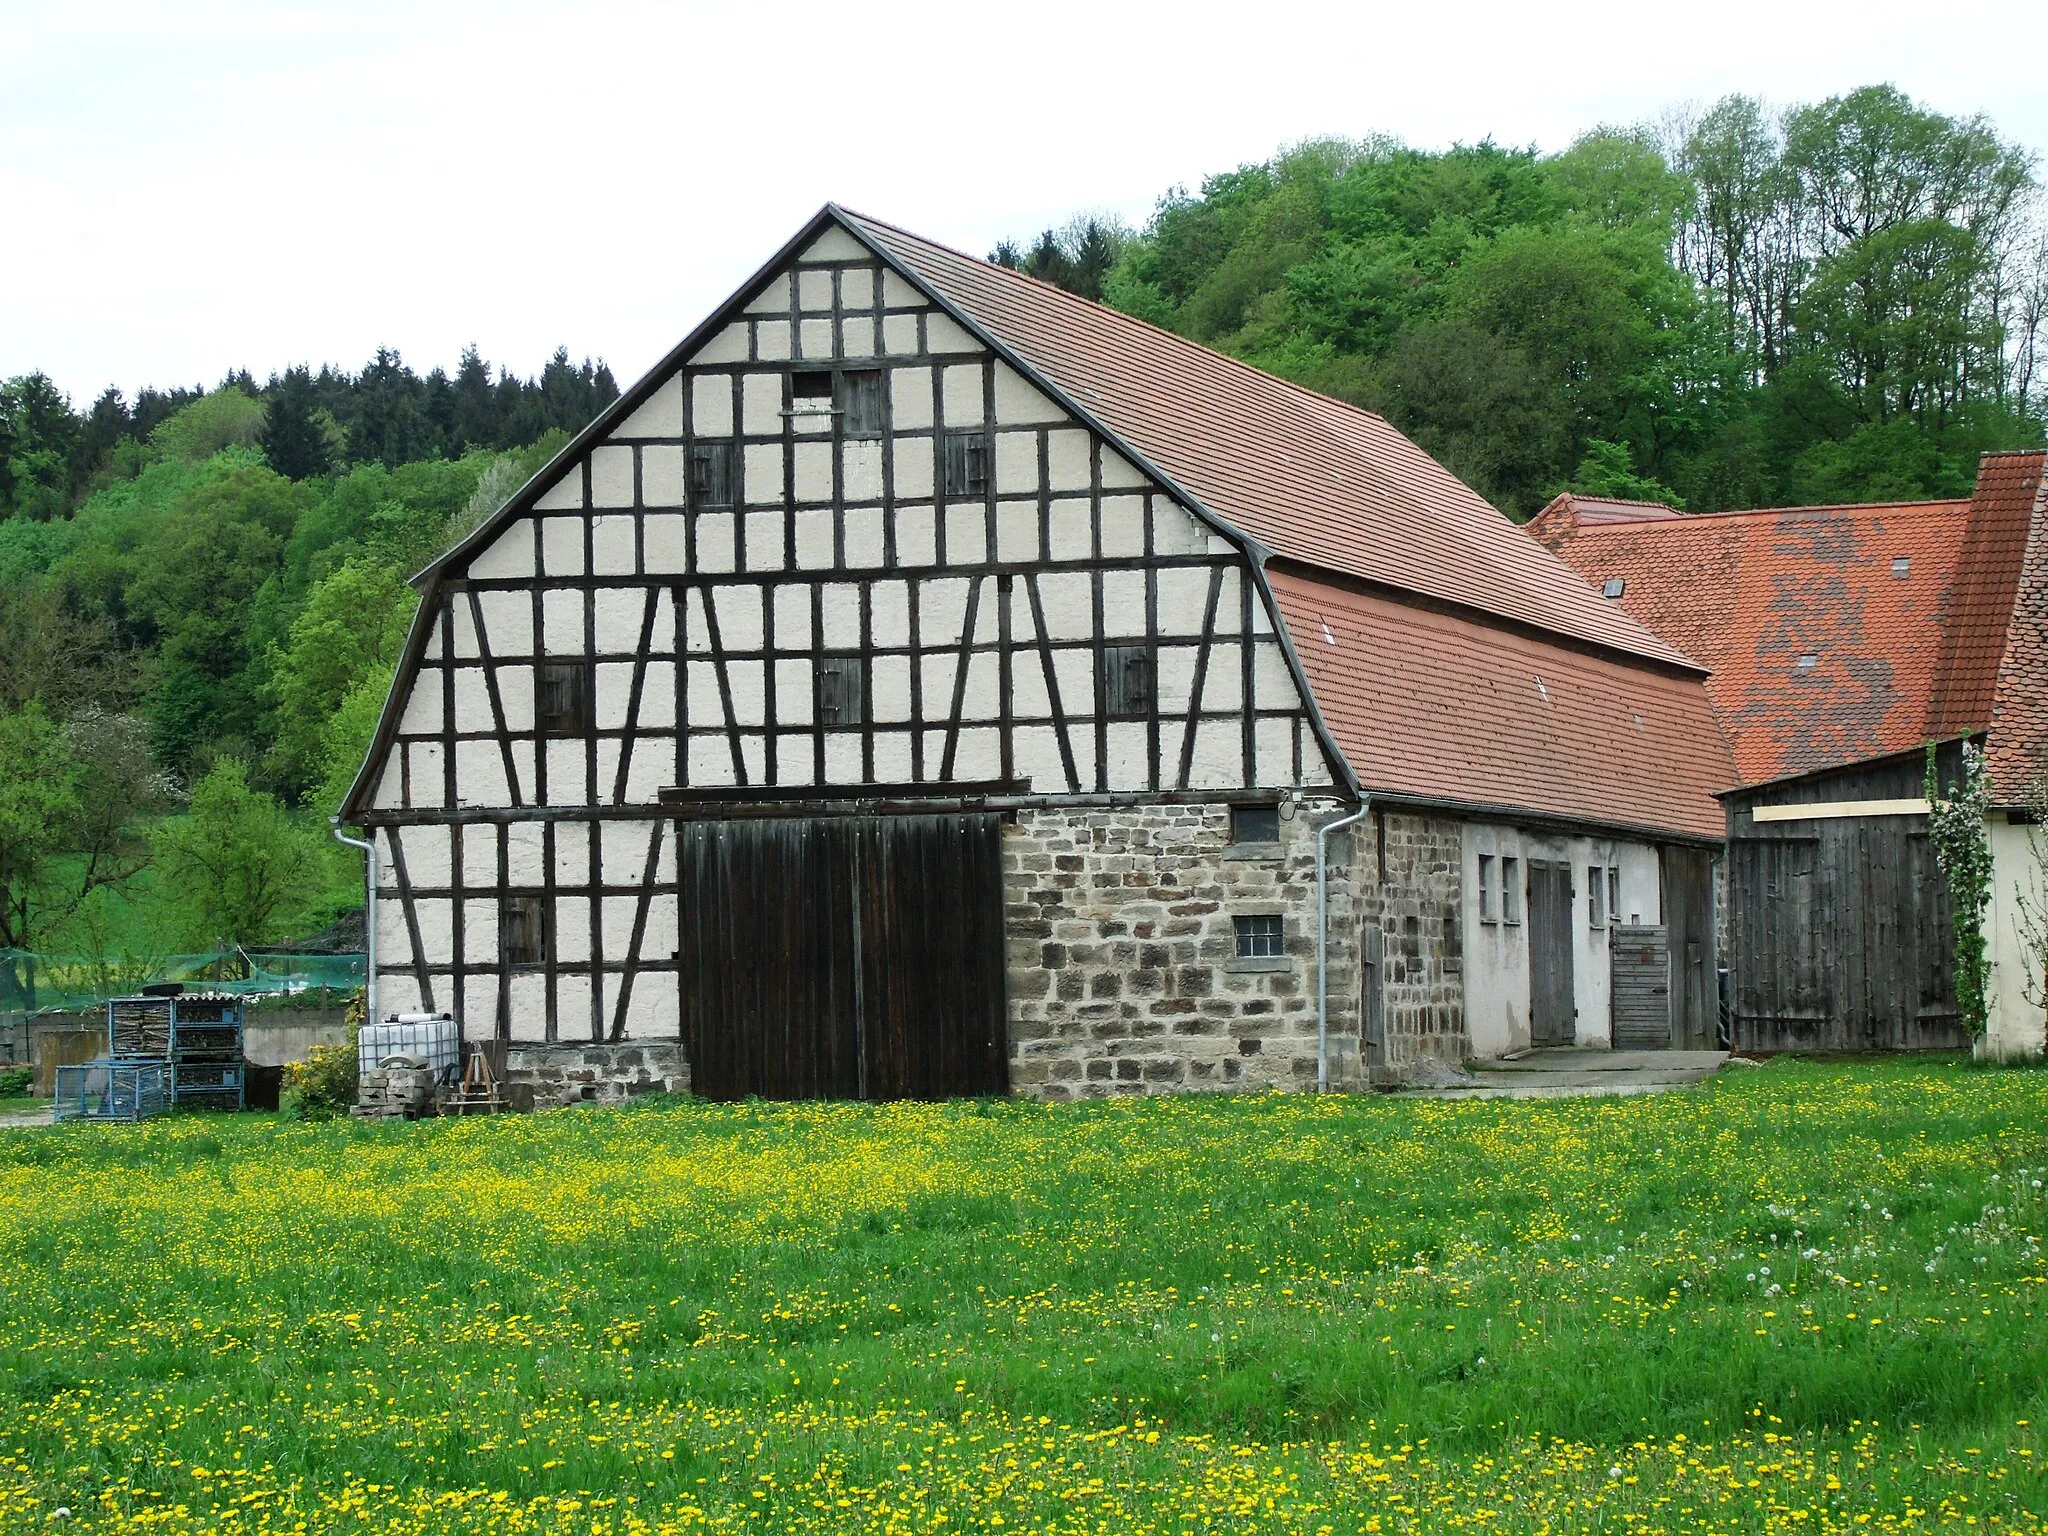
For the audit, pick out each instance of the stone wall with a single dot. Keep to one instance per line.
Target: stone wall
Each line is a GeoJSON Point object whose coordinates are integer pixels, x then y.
{"type": "Point", "coordinates": [553, 1076]}
{"type": "Point", "coordinates": [1124, 975]}
{"type": "Point", "coordinates": [1414, 885]}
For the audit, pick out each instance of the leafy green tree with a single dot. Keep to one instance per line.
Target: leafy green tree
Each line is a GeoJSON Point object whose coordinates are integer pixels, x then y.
{"type": "Point", "coordinates": [226, 418]}
{"type": "Point", "coordinates": [38, 806]}
{"type": "Point", "coordinates": [242, 868]}
{"type": "Point", "coordinates": [346, 740]}
{"type": "Point", "coordinates": [351, 627]}
{"type": "Point", "coordinates": [1606, 469]}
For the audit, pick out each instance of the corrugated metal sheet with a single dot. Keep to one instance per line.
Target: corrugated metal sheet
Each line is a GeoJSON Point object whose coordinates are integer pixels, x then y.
{"type": "Point", "coordinates": [1314, 479]}
{"type": "Point", "coordinates": [1445, 707]}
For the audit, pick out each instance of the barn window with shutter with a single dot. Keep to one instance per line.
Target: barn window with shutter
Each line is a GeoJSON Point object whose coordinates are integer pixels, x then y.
{"type": "Point", "coordinates": [711, 475]}
{"type": "Point", "coordinates": [523, 930]}
{"type": "Point", "coordinates": [860, 402]}
{"type": "Point", "coordinates": [966, 463]}
{"type": "Point", "coordinates": [842, 691]}
{"type": "Point", "coordinates": [564, 702]}
{"type": "Point", "coordinates": [1126, 682]}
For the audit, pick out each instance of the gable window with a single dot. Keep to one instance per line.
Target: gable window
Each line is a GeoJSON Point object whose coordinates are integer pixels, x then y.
{"type": "Point", "coordinates": [711, 476]}
{"type": "Point", "coordinates": [523, 930]}
{"type": "Point", "coordinates": [1596, 897]}
{"type": "Point", "coordinates": [1126, 682]}
{"type": "Point", "coordinates": [966, 463]}
{"type": "Point", "coordinates": [810, 389]}
{"type": "Point", "coordinates": [564, 702]}
{"type": "Point", "coordinates": [842, 691]}
{"type": "Point", "coordinates": [1613, 894]}
{"type": "Point", "coordinates": [1487, 913]}
{"type": "Point", "coordinates": [1255, 824]}
{"type": "Point", "coordinates": [1259, 938]}
{"type": "Point", "coordinates": [860, 402]}
{"type": "Point", "coordinates": [1510, 890]}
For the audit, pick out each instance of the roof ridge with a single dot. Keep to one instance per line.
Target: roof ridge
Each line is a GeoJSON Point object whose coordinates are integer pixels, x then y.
{"type": "Point", "coordinates": [1684, 518]}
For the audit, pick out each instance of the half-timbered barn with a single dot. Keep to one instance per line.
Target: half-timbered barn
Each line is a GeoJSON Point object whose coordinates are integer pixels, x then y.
{"type": "Point", "coordinates": [925, 681]}
{"type": "Point", "coordinates": [1842, 641]}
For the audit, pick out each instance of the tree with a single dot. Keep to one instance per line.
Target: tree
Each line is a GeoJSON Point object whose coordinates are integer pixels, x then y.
{"type": "Point", "coordinates": [295, 428]}
{"type": "Point", "coordinates": [38, 805]}
{"type": "Point", "coordinates": [351, 627]}
{"type": "Point", "coordinates": [227, 418]}
{"type": "Point", "coordinates": [39, 439]}
{"type": "Point", "coordinates": [240, 865]}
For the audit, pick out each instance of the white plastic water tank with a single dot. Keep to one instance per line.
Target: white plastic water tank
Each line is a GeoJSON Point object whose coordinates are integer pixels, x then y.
{"type": "Point", "coordinates": [430, 1037]}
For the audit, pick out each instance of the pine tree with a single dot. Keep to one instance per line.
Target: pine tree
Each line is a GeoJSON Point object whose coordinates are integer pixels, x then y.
{"type": "Point", "coordinates": [294, 437]}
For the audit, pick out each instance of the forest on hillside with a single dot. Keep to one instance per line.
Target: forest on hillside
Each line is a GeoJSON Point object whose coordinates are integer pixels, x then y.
{"type": "Point", "coordinates": [1738, 307]}
{"type": "Point", "coordinates": [202, 592]}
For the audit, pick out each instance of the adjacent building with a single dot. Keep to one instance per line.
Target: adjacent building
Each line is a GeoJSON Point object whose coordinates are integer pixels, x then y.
{"type": "Point", "coordinates": [925, 681]}
{"type": "Point", "coordinates": [1842, 640]}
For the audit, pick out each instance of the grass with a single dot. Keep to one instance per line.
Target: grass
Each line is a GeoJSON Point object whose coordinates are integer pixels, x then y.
{"type": "Point", "coordinates": [1800, 1298]}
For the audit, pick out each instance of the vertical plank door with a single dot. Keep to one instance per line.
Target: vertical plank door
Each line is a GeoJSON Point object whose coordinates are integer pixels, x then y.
{"type": "Point", "coordinates": [843, 957]}
{"type": "Point", "coordinates": [1551, 1008]}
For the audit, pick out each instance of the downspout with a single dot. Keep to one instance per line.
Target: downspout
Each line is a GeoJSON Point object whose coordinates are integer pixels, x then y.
{"type": "Point", "coordinates": [1323, 937]}
{"type": "Point", "coordinates": [369, 920]}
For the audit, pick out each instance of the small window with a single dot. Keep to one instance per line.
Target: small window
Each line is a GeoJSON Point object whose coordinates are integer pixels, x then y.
{"type": "Point", "coordinates": [711, 476]}
{"type": "Point", "coordinates": [1511, 890]}
{"type": "Point", "coordinates": [1902, 567]}
{"type": "Point", "coordinates": [564, 698]}
{"type": "Point", "coordinates": [1808, 661]}
{"type": "Point", "coordinates": [1126, 682]}
{"type": "Point", "coordinates": [1596, 897]}
{"type": "Point", "coordinates": [1613, 894]}
{"type": "Point", "coordinates": [1614, 586]}
{"type": "Point", "coordinates": [842, 695]}
{"type": "Point", "coordinates": [523, 931]}
{"type": "Point", "coordinates": [1259, 938]}
{"type": "Point", "coordinates": [860, 402]}
{"type": "Point", "coordinates": [1486, 906]}
{"type": "Point", "coordinates": [1255, 824]}
{"type": "Point", "coordinates": [966, 463]}
{"type": "Point", "coordinates": [811, 390]}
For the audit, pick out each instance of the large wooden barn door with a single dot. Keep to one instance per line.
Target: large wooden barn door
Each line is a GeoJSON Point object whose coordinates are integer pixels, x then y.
{"type": "Point", "coordinates": [843, 957]}
{"type": "Point", "coordinates": [1551, 1010]}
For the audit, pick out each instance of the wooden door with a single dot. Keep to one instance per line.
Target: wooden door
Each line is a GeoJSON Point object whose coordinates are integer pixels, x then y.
{"type": "Point", "coordinates": [843, 957]}
{"type": "Point", "coordinates": [1552, 1013]}
{"type": "Point", "coordinates": [1641, 961]}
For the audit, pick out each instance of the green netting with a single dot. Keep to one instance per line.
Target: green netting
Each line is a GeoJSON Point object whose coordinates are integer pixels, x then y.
{"type": "Point", "coordinates": [34, 983]}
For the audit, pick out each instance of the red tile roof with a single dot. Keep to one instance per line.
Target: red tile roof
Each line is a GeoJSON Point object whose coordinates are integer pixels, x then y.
{"type": "Point", "coordinates": [1899, 655]}
{"type": "Point", "coordinates": [1433, 704]}
{"type": "Point", "coordinates": [1567, 513]}
{"type": "Point", "coordinates": [2019, 708]}
{"type": "Point", "coordinates": [1311, 477]}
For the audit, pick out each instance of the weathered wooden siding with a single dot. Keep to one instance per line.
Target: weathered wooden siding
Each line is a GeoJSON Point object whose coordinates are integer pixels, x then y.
{"type": "Point", "coordinates": [844, 957]}
{"type": "Point", "coordinates": [1641, 957]}
{"type": "Point", "coordinates": [1839, 926]}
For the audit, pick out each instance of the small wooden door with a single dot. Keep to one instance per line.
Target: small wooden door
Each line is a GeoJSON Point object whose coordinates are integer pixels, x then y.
{"type": "Point", "coordinates": [1552, 1015]}
{"type": "Point", "coordinates": [1643, 1013]}
{"type": "Point", "coordinates": [843, 957]}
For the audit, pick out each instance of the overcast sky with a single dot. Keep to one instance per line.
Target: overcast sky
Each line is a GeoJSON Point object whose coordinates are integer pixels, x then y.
{"type": "Point", "coordinates": [202, 186]}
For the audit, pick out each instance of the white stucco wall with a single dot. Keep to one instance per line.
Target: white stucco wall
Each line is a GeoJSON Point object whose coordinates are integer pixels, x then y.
{"type": "Point", "coordinates": [1497, 951]}
{"type": "Point", "coordinates": [2016, 1025]}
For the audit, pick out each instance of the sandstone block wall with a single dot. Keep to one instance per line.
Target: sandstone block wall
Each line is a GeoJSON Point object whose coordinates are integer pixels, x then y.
{"type": "Point", "coordinates": [553, 1076]}
{"type": "Point", "coordinates": [1124, 975]}
{"type": "Point", "coordinates": [1414, 887]}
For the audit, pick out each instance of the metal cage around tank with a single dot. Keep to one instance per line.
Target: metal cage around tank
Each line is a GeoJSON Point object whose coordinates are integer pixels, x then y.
{"type": "Point", "coordinates": [117, 1090]}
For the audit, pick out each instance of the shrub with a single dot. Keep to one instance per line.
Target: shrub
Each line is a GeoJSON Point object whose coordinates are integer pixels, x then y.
{"type": "Point", "coordinates": [14, 1082]}
{"type": "Point", "coordinates": [324, 1085]}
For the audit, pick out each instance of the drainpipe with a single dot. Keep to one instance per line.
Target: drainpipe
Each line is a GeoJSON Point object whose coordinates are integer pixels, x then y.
{"type": "Point", "coordinates": [1323, 937]}
{"type": "Point", "coordinates": [369, 920]}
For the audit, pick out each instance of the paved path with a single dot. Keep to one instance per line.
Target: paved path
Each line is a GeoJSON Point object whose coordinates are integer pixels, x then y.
{"type": "Point", "coordinates": [1562, 1072]}
{"type": "Point", "coordinates": [34, 1117]}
